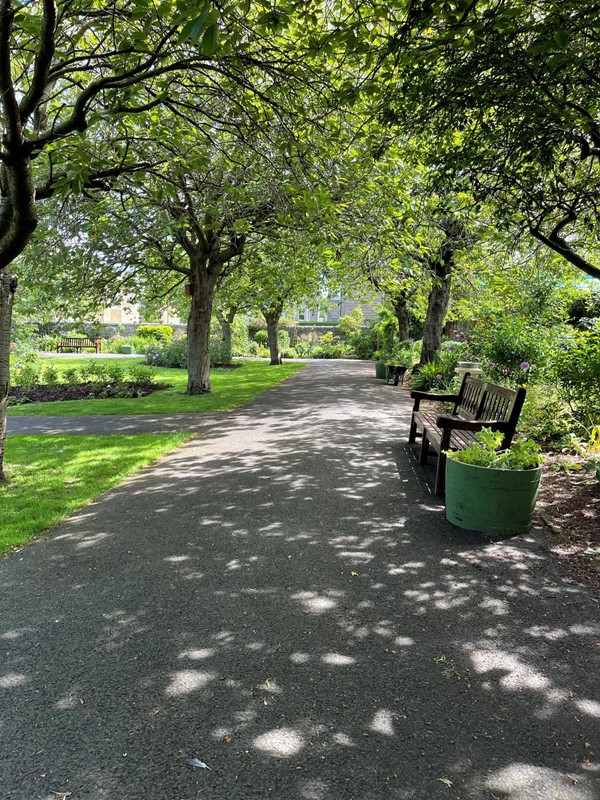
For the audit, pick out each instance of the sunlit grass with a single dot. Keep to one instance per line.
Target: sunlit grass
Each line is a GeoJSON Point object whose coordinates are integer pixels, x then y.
{"type": "Point", "coordinates": [230, 389]}
{"type": "Point", "coordinates": [49, 477]}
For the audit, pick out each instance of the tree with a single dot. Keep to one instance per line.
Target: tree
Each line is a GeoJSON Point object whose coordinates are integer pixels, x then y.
{"type": "Point", "coordinates": [62, 67]}
{"type": "Point", "coordinates": [73, 75]}
{"type": "Point", "coordinates": [509, 91]}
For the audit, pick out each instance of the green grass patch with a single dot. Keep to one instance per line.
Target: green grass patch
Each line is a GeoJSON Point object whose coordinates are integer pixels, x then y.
{"type": "Point", "coordinates": [230, 389]}
{"type": "Point", "coordinates": [49, 477]}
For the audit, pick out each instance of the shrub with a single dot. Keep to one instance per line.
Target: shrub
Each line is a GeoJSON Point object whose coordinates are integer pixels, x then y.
{"type": "Point", "coordinates": [428, 378]}
{"type": "Point", "coordinates": [351, 324]}
{"type": "Point", "coordinates": [364, 344]}
{"type": "Point", "coordinates": [239, 337]}
{"type": "Point", "coordinates": [220, 353]}
{"type": "Point", "coordinates": [115, 373]}
{"type": "Point", "coordinates": [546, 416]}
{"type": "Point", "coordinates": [96, 372]}
{"type": "Point", "coordinates": [437, 375]}
{"type": "Point", "coordinates": [173, 354]}
{"type": "Point", "coordinates": [252, 349]}
{"type": "Point", "coordinates": [283, 340]}
{"type": "Point", "coordinates": [138, 373]}
{"type": "Point", "coordinates": [261, 337]}
{"type": "Point", "coordinates": [405, 353]}
{"type": "Point", "coordinates": [514, 351]}
{"type": "Point", "coordinates": [116, 343]}
{"type": "Point", "coordinates": [71, 376]}
{"type": "Point", "coordinates": [255, 325]}
{"type": "Point", "coordinates": [303, 348]}
{"type": "Point", "coordinates": [578, 370]}
{"type": "Point", "coordinates": [50, 376]}
{"type": "Point", "coordinates": [27, 377]}
{"type": "Point", "coordinates": [162, 333]}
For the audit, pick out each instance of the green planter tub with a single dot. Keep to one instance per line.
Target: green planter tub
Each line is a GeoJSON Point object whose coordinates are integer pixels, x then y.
{"type": "Point", "coordinates": [490, 500]}
{"type": "Point", "coordinates": [380, 369]}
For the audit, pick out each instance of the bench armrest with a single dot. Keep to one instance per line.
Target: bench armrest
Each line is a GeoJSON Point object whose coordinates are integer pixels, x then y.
{"type": "Point", "coordinates": [418, 396]}
{"type": "Point", "coordinates": [458, 424]}
{"type": "Point", "coordinates": [432, 395]}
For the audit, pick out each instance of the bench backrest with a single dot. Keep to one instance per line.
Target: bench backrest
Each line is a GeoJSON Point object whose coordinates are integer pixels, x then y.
{"type": "Point", "coordinates": [479, 400]}
{"type": "Point", "coordinates": [470, 396]}
{"type": "Point", "coordinates": [78, 340]}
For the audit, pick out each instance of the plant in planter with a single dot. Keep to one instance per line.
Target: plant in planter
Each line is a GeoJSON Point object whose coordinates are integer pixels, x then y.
{"type": "Point", "coordinates": [490, 490]}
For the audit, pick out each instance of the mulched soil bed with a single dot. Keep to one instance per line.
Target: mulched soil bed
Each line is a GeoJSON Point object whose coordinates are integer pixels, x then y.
{"type": "Point", "coordinates": [82, 391]}
{"type": "Point", "coordinates": [569, 504]}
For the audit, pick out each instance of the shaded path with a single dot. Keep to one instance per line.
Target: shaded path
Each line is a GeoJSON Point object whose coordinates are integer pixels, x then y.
{"type": "Point", "coordinates": [284, 600]}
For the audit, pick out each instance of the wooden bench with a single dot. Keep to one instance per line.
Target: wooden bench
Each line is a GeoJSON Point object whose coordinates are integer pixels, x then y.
{"type": "Point", "coordinates": [477, 405]}
{"type": "Point", "coordinates": [395, 374]}
{"type": "Point", "coordinates": [79, 343]}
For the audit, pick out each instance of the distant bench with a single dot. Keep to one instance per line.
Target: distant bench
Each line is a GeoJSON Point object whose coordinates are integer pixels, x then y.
{"type": "Point", "coordinates": [477, 405]}
{"type": "Point", "coordinates": [79, 343]}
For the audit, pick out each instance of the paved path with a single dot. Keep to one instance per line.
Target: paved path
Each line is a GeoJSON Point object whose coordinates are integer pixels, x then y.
{"type": "Point", "coordinates": [99, 424]}
{"type": "Point", "coordinates": [283, 599]}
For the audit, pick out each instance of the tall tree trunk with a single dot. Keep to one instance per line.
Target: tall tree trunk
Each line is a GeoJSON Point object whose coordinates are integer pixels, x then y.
{"type": "Point", "coordinates": [198, 331]}
{"type": "Point", "coordinates": [272, 316]}
{"type": "Point", "coordinates": [8, 287]}
{"type": "Point", "coordinates": [437, 307]}
{"type": "Point", "coordinates": [439, 297]}
{"type": "Point", "coordinates": [226, 323]}
{"type": "Point", "coordinates": [401, 314]}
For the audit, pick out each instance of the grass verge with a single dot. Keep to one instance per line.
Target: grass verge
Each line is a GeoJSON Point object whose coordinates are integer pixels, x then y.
{"type": "Point", "coordinates": [230, 389]}
{"type": "Point", "coordinates": [52, 476]}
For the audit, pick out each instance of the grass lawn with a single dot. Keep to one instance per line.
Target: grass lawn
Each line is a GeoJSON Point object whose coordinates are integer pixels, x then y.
{"type": "Point", "coordinates": [230, 389]}
{"type": "Point", "coordinates": [52, 476]}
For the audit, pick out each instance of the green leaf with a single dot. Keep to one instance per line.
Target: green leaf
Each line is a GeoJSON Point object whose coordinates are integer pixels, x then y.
{"type": "Point", "coordinates": [210, 40]}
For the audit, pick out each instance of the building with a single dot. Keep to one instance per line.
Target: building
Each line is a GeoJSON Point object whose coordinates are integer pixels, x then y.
{"type": "Point", "coordinates": [331, 309]}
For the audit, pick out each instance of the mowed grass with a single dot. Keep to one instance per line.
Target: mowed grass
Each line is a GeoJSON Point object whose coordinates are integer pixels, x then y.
{"type": "Point", "coordinates": [230, 389]}
{"type": "Point", "coordinates": [49, 477]}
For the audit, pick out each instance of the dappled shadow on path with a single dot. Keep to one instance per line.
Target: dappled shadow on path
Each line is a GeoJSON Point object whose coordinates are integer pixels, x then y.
{"type": "Point", "coordinates": [286, 602]}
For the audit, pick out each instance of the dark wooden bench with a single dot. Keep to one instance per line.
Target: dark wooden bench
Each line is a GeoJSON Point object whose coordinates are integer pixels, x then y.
{"type": "Point", "coordinates": [79, 343]}
{"type": "Point", "coordinates": [478, 404]}
{"type": "Point", "coordinates": [395, 374]}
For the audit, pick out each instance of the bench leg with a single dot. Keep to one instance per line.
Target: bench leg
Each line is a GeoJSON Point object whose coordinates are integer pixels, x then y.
{"type": "Point", "coordinates": [440, 475]}
{"type": "Point", "coordinates": [413, 432]}
{"type": "Point", "coordinates": [424, 449]}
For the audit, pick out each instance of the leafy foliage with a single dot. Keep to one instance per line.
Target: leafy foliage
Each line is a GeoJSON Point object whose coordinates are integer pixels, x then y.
{"type": "Point", "coordinates": [578, 370]}
{"type": "Point", "coordinates": [514, 349]}
{"type": "Point", "coordinates": [524, 453]}
{"type": "Point", "coordinates": [439, 374]}
{"type": "Point", "coordinates": [163, 333]}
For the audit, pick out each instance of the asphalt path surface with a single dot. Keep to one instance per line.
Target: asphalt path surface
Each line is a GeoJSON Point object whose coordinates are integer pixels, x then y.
{"type": "Point", "coordinates": [283, 600]}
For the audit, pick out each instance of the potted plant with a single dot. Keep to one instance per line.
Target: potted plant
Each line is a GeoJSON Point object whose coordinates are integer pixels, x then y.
{"type": "Point", "coordinates": [491, 490]}
{"type": "Point", "coordinates": [380, 363]}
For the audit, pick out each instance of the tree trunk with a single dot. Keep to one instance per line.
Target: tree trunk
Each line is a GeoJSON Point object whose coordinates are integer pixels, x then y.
{"type": "Point", "coordinates": [8, 287]}
{"type": "Point", "coordinates": [437, 307]}
{"type": "Point", "coordinates": [198, 331]}
{"type": "Point", "coordinates": [272, 316]}
{"type": "Point", "coordinates": [401, 314]}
